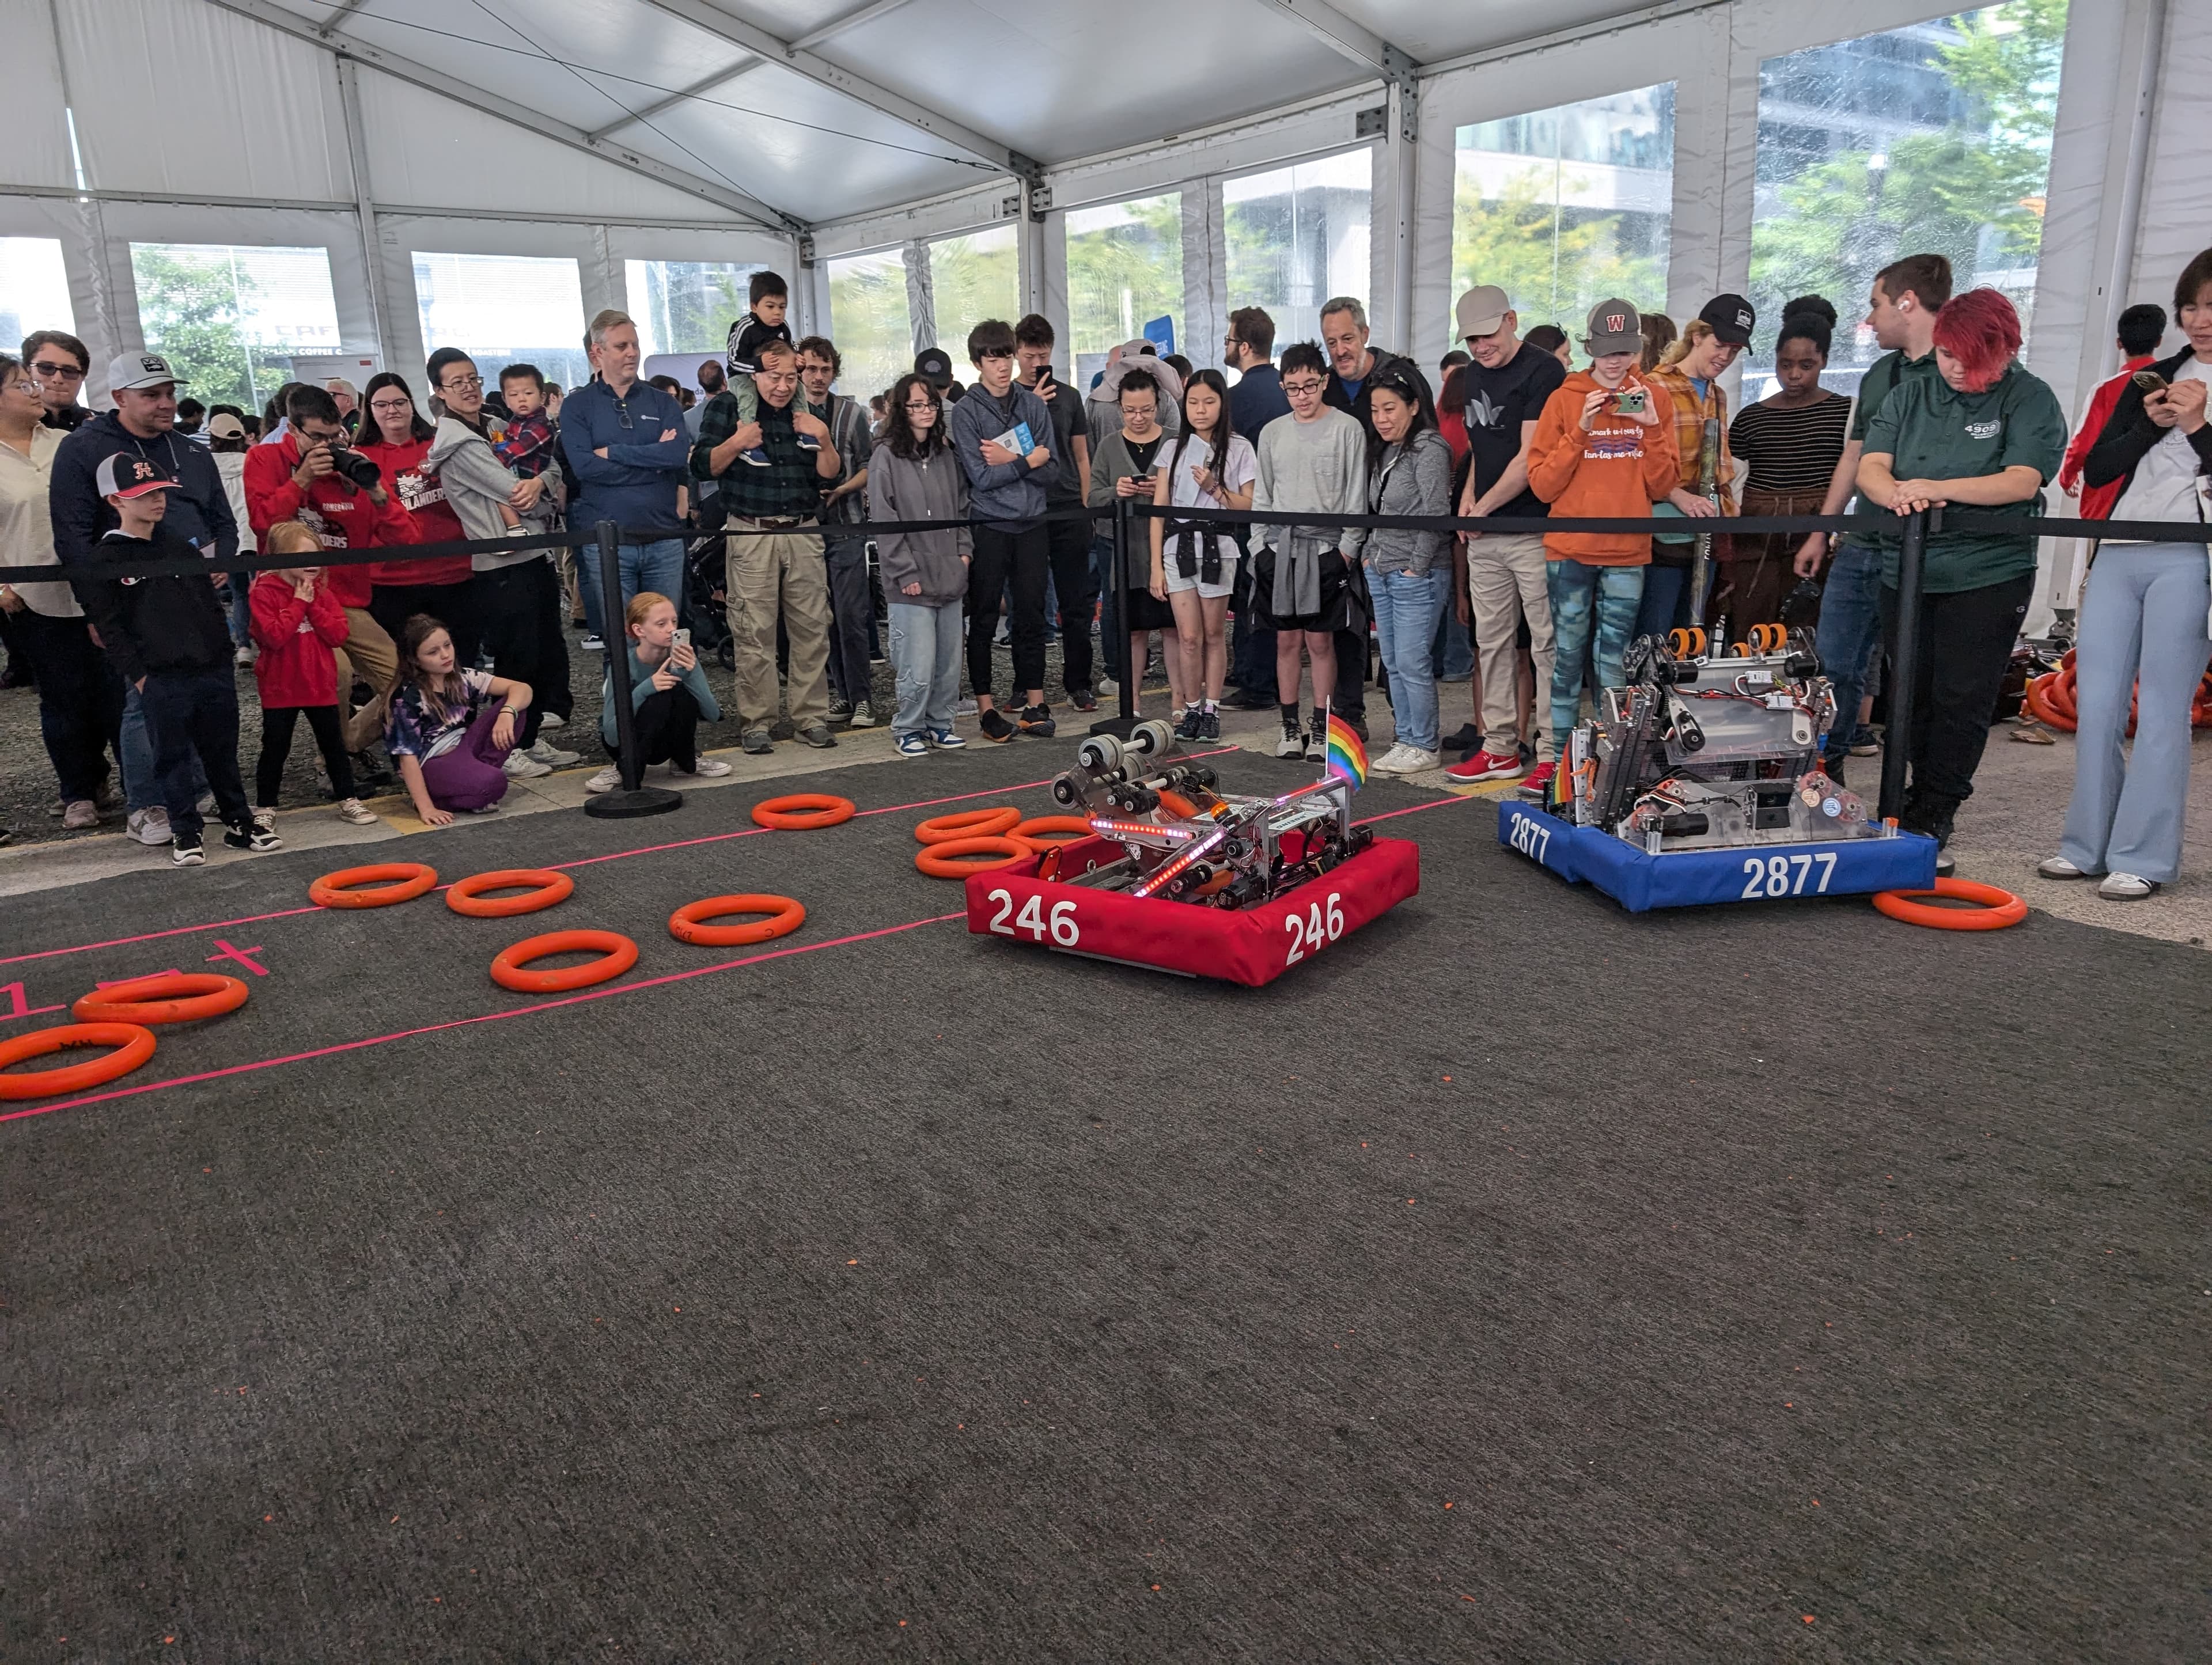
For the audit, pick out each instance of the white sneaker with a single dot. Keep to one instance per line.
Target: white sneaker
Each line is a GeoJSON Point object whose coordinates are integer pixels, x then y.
{"type": "Point", "coordinates": [967, 707]}
{"type": "Point", "coordinates": [521, 766]}
{"type": "Point", "coordinates": [864, 716]}
{"type": "Point", "coordinates": [1405, 760]}
{"type": "Point", "coordinates": [552, 719]}
{"type": "Point", "coordinates": [354, 813]}
{"type": "Point", "coordinates": [592, 643]}
{"type": "Point", "coordinates": [245, 656]}
{"type": "Point", "coordinates": [2125, 887]}
{"type": "Point", "coordinates": [706, 767]}
{"type": "Point", "coordinates": [2059, 867]}
{"type": "Point", "coordinates": [552, 757]}
{"type": "Point", "coordinates": [609, 778]}
{"type": "Point", "coordinates": [149, 826]}
{"type": "Point", "coordinates": [264, 820]}
{"type": "Point", "coordinates": [80, 814]}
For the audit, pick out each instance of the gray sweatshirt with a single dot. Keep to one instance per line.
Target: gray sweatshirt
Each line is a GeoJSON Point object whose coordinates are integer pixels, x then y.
{"type": "Point", "coordinates": [931, 487]}
{"type": "Point", "coordinates": [1413, 479]}
{"type": "Point", "coordinates": [476, 482]}
{"type": "Point", "coordinates": [1319, 465]}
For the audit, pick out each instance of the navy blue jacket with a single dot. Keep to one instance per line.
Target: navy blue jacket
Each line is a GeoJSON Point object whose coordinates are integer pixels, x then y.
{"type": "Point", "coordinates": [634, 485]}
{"type": "Point", "coordinates": [1256, 400]}
{"type": "Point", "coordinates": [199, 512]}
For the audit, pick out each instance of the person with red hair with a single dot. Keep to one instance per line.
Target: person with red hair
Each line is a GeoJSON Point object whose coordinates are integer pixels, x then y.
{"type": "Point", "coordinates": [1982, 435]}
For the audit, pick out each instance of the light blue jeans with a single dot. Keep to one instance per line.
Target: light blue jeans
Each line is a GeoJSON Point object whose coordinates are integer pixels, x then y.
{"type": "Point", "coordinates": [2143, 620]}
{"type": "Point", "coordinates": [658, 566]}
{"type": "Point", "coordinates": [1405, 608]}
{"type": "Point", "coordinates": [925, 644]}
{"type": "Point", "coordinates": [1588, 602]}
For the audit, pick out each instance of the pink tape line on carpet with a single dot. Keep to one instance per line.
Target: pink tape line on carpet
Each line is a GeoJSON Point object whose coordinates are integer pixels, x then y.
{"type": "Point", "coordinates": [483, 1018]}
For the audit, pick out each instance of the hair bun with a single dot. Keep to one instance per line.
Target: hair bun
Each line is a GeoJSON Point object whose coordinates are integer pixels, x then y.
{"type": "Point", "coordinates": [1814, 306]}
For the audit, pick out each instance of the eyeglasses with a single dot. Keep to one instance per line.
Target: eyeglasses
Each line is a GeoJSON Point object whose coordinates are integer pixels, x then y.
{"type": "Point", "coordinates": [391, 407]}
{"type": "Point", "coordinates": [46, 372]}
{"type": "Point", "coordinates": [1304, 387]}
{"type": "Point", "coordinates": [462, 385]}
{"type": "Point", "coordinates": [921, 404]}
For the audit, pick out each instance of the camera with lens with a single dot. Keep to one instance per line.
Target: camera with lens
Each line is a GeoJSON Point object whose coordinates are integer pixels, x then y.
{"type": "Point", "coordinates": [359, 469]}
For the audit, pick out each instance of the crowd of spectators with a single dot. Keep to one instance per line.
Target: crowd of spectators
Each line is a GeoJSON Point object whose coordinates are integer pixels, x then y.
{"type": "Point", "coordinates": [452, 668]}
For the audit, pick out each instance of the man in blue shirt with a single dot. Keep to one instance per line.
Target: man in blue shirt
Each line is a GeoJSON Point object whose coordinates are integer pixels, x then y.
{"type": "Point", "coordinates": [630, 449]}
{"type": "Point", "coordinates": [1256, 400]}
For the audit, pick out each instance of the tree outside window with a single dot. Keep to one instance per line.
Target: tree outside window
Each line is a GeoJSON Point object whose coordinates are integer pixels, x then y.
{"type": "Point", "coordinates": [972, 278]}
{"type": "Point", "coordinates": [230, 318]}
{"type": "Point", "coordinates": [868, 321]}
{"type": "Point", "coordinates": [686, 306]}
{"type": "Point", "coordinates": [1124, 268]}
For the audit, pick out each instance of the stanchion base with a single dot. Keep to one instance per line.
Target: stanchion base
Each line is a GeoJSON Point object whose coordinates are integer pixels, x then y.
{"type": "Point", "coordinates": [627, 806]}
{"type": "Point", "coordinates": [1118, 728]}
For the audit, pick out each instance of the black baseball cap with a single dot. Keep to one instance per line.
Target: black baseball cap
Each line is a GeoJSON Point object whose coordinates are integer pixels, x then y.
{"type": "Point", "coordinates": [934, 366]}
{"type": "Point", "coordinates": [1731, 317]}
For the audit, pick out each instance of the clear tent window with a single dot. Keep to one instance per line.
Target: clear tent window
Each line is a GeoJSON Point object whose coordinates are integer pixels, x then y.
{"type": "Point", "coordinates": [1124, 271]}
{"type": "Point", "coordinates": [503, 309]}
{"type": "Point", "coordinates": [973, 277]}
{"type": "Point", "coordinates": [33, 290]}
{"type": "Point", "coordinates": [1931, 139]}
{"type": "Point", "coordinates": [1567, 207]}
{"type": "Point", "coordinates": [1297, 236]}
{"type": "Point", "coordinates": [869, 321]}
{"type": "Point", "coordinates": [229, 318]}
{"type": "Point", "coordinates": [686, 306]}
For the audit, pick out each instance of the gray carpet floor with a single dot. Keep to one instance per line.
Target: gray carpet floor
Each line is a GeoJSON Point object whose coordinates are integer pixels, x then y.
{"type": "Point", "coordinates": [1516, 1280]}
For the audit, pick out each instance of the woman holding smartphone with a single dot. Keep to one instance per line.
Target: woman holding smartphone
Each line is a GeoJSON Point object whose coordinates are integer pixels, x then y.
{"type": "Point", "coordinates": [2143, 621]}
{"type": "Point", "coordinates": [668, 696]}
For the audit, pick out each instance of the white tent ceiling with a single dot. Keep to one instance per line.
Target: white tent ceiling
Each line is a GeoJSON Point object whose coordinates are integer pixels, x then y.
{"type": "Point", "coordinates": [813, 118]}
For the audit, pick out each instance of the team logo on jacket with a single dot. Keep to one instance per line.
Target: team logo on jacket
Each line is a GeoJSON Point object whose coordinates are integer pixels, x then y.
{"type": "Point", "coordinates": [1984, 430]}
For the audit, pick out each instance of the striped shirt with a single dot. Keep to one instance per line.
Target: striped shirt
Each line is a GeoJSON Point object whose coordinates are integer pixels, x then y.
{"type": "Point", "coordinates": [1791, 449]}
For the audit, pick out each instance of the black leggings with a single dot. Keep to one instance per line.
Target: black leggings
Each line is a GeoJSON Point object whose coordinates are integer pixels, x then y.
{"type": "Point", "coordinates": [277, 728]}
{"type": "Point", "coordinates": [667, 729]}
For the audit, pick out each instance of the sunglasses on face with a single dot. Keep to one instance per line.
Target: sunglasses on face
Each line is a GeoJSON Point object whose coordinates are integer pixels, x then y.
{"type": "Point", "coordinates": [46, 372]}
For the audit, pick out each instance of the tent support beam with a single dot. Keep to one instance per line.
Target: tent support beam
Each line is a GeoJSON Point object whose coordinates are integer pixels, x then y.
{"type": "Point", "coordinates": [274, 17]}
{"type": "Point", "coordinates": [696, 89]}
{"type": "Point", "coordinates": [709, 19]}
{"type": "Point", "coordinates": [850, 19]}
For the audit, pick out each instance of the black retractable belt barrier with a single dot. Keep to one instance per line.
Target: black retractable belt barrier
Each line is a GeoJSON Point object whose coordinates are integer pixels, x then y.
{"type": "Point", "coordinates": [633, 798]}
{"type": "Point", "coordinates": [1121, 725]}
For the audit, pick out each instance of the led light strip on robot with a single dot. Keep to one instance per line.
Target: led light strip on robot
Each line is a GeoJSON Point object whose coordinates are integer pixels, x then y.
{"type": "Point", "coordinates": [1169, 871]}
{"type": "Point", "coordinates": [1106, 827]}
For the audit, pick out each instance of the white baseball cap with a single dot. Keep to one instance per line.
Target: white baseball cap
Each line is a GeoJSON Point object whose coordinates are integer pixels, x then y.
{"type": "Point", "coordinates": [128, 370]}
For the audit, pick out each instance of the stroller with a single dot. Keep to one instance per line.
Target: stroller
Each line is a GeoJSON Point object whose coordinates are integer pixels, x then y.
{"type": "Point", "coordinates": [704, 606]}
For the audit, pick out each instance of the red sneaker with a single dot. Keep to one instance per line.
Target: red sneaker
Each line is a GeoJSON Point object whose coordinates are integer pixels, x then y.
{"type": "Point", "coordinates": [1486, 766]}
{"type": "Point", "coordinates": [1536, 785]}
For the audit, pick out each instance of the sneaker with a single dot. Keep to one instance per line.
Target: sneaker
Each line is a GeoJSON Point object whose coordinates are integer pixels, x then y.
{"type": "Point", "coordinates": [2059, 867]}
{"type": "Point", "coordinates": [1486, 765]}
{"type": "Point", "coordinates": [1293, 743]}
{"type": "Point", "coordinates": [605, 780]}
{"type": "Point", "coordinates": [705, 769]}
{"type": "Point", "coordinates": [149, 826]}
{"type": "Point", "coordinates": [1209, 725]}
{"type": "Point", "coordinates": [840, 710]}
{"type": "Point", "coordinates": [756, 457]}
{"type": "Point", "coordinates": [205, 805]}
{"type": "Point", "coordinates": [966, 707]}
{"type": "Point", "coordinates": [864, 715]}
{"type": "Point", "coordinates": [1005, 637]}
{"type": "Point", "coordinates": [818, 736]}
{"type": "Point", "coordinates": [265, 819]}
{"type": "Point", "coordinates": [1037, 719]}
{"type": "Point", "coordinates": [79, 815]}
{"type": "Point", "coordinates": [1403, 759]}
{"type": "Point", "coordinates": [756, 741]}
{"type": "Point", "coordinates": [485, 809]}
{"type": "Point", "coordinates": [521, 766]}
{"type": "Point", "coordinates": [1865, 742]}
{"type": "Point", "coordinates": [946, 740]}
{"type": "Point", "coordinates": [244, 656]}
{"type": "Point", "coordinates": [1083, 699]}
{"type": "Point", "coordinates": [354, 813]}
{"type": "Point", "coordinates": [783, 729]}
{"type": "Point", "coordinates": [2125, 887]}
{"type": "Point", "coordinates": [552, 719]}
{"type": "Point", "coordinates": [1465, 740]}
{"type": "Point", "coordinates": [106, 798]}
{"type": "Point", "coordinates": [912, 745]}
{"type": "Point", "coordinates": [185, 849]}
{"type": "Point", "coordinates": [1540, 780]}
{"type": "Point", "coordinates": [1186, 728]}
{"type": "Point", "coordinates": [251, 837]}
{"type": "Point", "coordinates": [806, 442]}
{"type": "Point", "coordinates": [552, 757]}
{"type": "Point", "coordinates": [369, 772]}
{"type": "Point", "coordinates": [996, 728]}
{"type": "Point", "coordinates": [593, 642]}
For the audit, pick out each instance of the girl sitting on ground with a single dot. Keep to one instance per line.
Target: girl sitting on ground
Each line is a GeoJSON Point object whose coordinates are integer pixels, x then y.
{"type": "Point", "coordinates": [450, 729]}
{"type": "Point", "coordinates": [668, 697]}
{"type": "Point", "coordinates": [299, 625]}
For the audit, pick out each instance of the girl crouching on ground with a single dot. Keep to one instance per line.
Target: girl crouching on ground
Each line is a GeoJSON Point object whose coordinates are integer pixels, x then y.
{"type": "Point", "coordinates": [450, 729]}
{"type": "Point", "coordinates": [299, 625]}
{"type": "Point", "coordinates": [668, 697]}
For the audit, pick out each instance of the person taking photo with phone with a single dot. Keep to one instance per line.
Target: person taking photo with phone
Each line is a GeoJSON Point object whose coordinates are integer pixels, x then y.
{"type": "Point", "coordinates": [668, 696]}
{"type": "Point", "coordinates": [1604, 447]}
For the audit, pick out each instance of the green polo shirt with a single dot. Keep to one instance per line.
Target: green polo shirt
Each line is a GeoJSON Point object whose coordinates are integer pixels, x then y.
{"type": "Point", "coordinates": [1932, 432]}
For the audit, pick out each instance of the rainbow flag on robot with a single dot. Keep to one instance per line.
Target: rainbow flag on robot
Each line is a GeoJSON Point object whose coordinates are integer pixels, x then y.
{"type": "Point", "coordinates": [1343, 754]}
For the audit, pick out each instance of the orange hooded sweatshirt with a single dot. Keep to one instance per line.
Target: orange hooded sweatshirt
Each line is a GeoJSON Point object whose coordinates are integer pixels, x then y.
{"type": "Point", "coordinates": [1620, 468]}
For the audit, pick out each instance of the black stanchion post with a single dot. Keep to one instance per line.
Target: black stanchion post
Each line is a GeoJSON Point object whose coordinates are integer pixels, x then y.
{"type": "Point", "coordinates": [1127, 672]}
{"type": "Point", "coordinates": [632, 799]}
{"type": "Point", "coordinates": [1904, 666]}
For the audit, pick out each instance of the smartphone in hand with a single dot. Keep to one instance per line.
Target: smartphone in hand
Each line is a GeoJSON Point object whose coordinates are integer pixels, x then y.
{"type": "Point", "coordinates": [1630, 401]}
{"type": "Point", "coordinates": [2149, 380]}
{"type": "Point", "coordinates": [681, 639]}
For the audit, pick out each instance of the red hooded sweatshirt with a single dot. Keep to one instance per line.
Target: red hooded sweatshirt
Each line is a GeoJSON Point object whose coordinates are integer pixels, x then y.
{"type": "Point", "coordinates": [296, 638]}
{"type": "Point", "coordinates": [332, 507]}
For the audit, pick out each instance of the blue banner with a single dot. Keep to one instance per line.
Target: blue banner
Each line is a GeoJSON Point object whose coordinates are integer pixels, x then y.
{"type": "Point", "coordinates": [1696, 879]}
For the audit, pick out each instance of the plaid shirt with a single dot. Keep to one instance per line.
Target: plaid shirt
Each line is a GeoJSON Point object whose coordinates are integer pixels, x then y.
{"type": "Point", "coordinates": [1690, 415]}
{"type": "Point", "coordinates": [787, 488]}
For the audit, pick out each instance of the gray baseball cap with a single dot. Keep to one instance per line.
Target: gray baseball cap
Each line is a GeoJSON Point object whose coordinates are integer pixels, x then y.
{"type": "Point", "coordinates": [1481, 310]}
{"type": "Point", "coordinates": [1615, 326]}
{"type": "Point", "coordinates": [139, 370]}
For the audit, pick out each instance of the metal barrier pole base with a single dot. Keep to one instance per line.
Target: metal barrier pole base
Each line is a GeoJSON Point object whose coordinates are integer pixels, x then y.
{"type": "Point", "coordinates": [626, 805]}
{"type": "Point", "coordinates": [1118, 728]}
